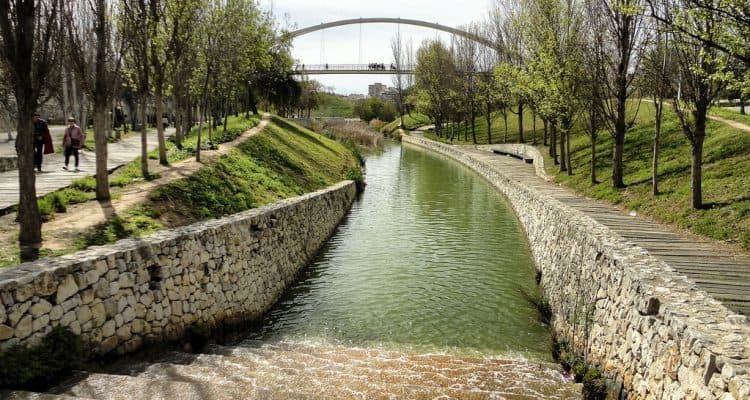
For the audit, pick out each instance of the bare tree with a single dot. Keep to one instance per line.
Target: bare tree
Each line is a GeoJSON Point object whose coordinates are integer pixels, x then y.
{"type": "Point", "coordinates": [136, 21]}
{"type": "Point", "coordinates": [96, 49]}
{"type": "Point", "coordinates": [622, 23]}
{"type": "Point", "coordinates": [397, 49]}
{"type": "Point", "coordinates": [28, 50]}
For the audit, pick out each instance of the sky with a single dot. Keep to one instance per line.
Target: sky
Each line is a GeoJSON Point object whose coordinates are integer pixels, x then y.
{"type": "Point", "coordinates": [341, 45]}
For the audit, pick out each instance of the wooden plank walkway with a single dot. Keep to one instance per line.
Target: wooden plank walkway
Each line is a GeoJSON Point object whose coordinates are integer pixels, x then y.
{"type": "Point", "coordinates": [54, 177]}
{"type": "Point", "coordinates": [725, 275]}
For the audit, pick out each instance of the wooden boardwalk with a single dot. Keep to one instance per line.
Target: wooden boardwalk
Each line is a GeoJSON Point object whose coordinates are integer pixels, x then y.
{"type": "Point", "coordinates": [54, 177]}
{"type": "Point", "coordinates": [723, 274]}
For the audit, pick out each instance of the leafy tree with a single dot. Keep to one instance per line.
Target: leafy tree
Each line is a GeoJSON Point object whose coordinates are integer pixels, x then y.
{"type": "Point", "coordinates": [435, 76]}
{"type": "Point", "coordinates": [96, 47]}
{"type": "Point", "coordinates": [29, 31]}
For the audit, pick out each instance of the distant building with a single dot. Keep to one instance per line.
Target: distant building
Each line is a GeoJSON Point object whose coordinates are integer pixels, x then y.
{"type": "Point", "coordinates": [376, 89]}
{"type": "Point", "coordinates": [355, 96]}
{"type": "Point", "coordinates": [390, 94]}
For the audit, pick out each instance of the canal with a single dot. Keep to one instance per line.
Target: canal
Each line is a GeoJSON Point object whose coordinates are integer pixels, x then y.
{"type": "Point", "coordinates": [430, 259]}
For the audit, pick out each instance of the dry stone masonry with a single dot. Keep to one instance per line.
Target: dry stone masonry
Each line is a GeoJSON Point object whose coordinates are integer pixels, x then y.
{"type": "Point", "coordinates": [645, 325]}
{"type": "Point", "coordinates": [150, 289]}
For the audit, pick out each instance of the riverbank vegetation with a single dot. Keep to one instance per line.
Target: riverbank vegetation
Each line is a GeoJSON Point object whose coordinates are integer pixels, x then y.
{"type": "Point", "coordinates": [281, 161]}
{"type": "Point", "coordinates": [624, 85]}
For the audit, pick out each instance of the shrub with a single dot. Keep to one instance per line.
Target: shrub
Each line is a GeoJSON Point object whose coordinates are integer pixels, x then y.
{"type": "Point", "coordinates": [39, 366]}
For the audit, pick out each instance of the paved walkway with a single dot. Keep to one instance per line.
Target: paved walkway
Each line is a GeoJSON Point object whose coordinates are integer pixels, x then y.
{"type": "Point", "coordinates": [725, 276]}
{"type": "Point", "coordinates": [54, 177]}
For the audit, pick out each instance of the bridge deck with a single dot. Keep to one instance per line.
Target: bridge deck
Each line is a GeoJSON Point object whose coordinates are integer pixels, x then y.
{"type": "Point", "coordinates": [722, 272]}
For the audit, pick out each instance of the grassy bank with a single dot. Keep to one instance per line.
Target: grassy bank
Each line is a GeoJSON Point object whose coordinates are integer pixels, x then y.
{"type": "Point", "coordinates": [282, 161]}
{"type": "Point", "coordinates": [412, 121]}
{"type": "Point", "coordinates": [726, 176]}
{"type": "Point", "coordinates": [502, 131]}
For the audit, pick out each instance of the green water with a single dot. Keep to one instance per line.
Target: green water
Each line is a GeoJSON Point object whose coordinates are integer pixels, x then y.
{"type": "Point", "coordinates": [430, 259]}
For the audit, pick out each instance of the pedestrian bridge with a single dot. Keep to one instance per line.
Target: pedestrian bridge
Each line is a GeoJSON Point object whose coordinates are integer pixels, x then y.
{"type": "Point", "coordinates": [352, 69]}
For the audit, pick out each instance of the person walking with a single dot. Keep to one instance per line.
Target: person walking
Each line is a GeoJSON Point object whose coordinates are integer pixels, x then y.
{"type": "Point", "coordinates": [72, 141]}
{"type": "Point", "coordinates": [42, 141]}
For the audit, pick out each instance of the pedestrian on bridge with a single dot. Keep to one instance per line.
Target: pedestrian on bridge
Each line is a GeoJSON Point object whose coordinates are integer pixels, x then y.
{"type": "Point", "coordinates": [73, 140]}
{"type": "Point", "coordinates": [42, 141]}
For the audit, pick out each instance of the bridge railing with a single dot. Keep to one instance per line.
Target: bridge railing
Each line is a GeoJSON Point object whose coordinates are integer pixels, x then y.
{"type": "Point", "coordinates": [353, 67]}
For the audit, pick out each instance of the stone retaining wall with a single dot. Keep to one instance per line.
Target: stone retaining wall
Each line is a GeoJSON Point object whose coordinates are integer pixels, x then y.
{"type": "Point", "coordinates": [648, 327]}
{"type": "Point", "coordinates": [150, 289]}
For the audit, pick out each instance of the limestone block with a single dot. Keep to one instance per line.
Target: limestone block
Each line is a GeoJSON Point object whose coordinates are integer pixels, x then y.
{"type": "Point", "coordinates": [126, 280]}
{"type": "Point", "coordinates": [98, 314]}
{"type": "Point", "coordinates": [119, 320]}
{"type": "Point", "coordinates": [739, 387]}
{"type": "Point", "coordinates": [3, 315]}
{"type": "Point", "coordinates": [83, 314]}
{"type": "Point", "coordinates": [66, 289]}
{"type": "Point", "coordinates": [112, 275]}
{"type": "Point", "coordinates": [101, 267]}
{"type": "Point", "coordinates": [108, 329]}
{"type": "Point", "coordinates": [110, 306]}
{"type": "Point", "coordinates": [6, 332]}
{"type": "Point", "coordinates": [24, 327]}
{"type": "Point", "coordinates": [17, 311]}
{"type": "Point", "coordinates": [108, 344]}
{"type": "Point", "coordinates": [23, 293]}
{"type": "Point", "coordinates": [101, 288]}
{"type": "Point", "coordinates": [114, 287]}
{"type": "Point", "coordinates": [140, 310]}
{"type": "Point", "coordinates": [71, 303]}
{"type": "Point", "coordinates": [41, 323]}
{"type": "Point", "coordinates": [137, 326]}
{"type": "Point", "coordinates": [56, 313]}
{"type": "Point", "coordinates": [124, 332]}
{"type": "Point", "coordinates": [128, 314]}
{"type": "Point", "coordinates": [45, 284]}
{"type": "Point", "coordinates": [92, 276]}
{"type": "Point", "coordinates": [41, 307]}
{"type": "Point", "coordinates": [147, 299]}
{"type": "Point", "coordinates": [68, 318]}
{"type": "Point", "coordinates": [122, 302]}
{"type": "Point", "coordinates": [87, 296]}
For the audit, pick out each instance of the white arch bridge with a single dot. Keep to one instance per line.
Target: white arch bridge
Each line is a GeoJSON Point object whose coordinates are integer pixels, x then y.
{"type": "Point", "coordinates": [374, 68]}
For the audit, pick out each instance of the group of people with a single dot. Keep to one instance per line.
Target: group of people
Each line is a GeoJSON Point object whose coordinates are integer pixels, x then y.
{"type": "Point", "coordinates": [73, 140]}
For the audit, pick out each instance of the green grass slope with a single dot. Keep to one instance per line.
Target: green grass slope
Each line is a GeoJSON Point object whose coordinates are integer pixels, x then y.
{"type": "Point", "coordinates": [282, 161]}
{"type": "Point", "coordinates": [726, 176]}
{"type": "Point", "coordinates": [412, 121]}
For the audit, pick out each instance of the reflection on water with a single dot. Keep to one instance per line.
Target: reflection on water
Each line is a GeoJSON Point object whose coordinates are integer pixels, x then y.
{"type": "Point", "coordinates": [430, 259]}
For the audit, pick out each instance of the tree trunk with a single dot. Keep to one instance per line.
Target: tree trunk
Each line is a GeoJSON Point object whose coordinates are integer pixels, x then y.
{"type": "Point", "coordinates": [553, 142]}
{"type": "Point", "coordinates": [505, 124]}
{"type": "Point", "coordinates": [488, 116]}
{"type": "Point", "coordinates": [699, 136]}
{"type": "Point", "coordinates": [655, 162]}
{"type": "Point", "coordinates": [617, 178]}
{"type": "Point", "coordinates": [696, 198]}
{"type": "Point", "coordinates": [144, 139]}
{"type": "Point", "coordinates": [563, 154]}
{"type": "Point", "coordinates": [29, 218]}
{"type": "Point", "coordinates": [200, 134]}
{"type": "Point", "coordinates": [593, 159]}
{"type": "Point", "coordinates": [533, 127]}
{"type": "Point", "coordinates": [546, 133]}
{"type": "Point", "coordinates": [520, 123]}
{"type": "Point", "coordinates": [742, 105]}
{"type": "Point", "coordinates": [100, 140]}
{"type": "Point", "coordinates": [160, 128]}
{"type": "Point", "coordinates": [567, 149]}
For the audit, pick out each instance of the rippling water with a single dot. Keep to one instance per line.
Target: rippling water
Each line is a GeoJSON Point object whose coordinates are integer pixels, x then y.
{"type": "Point", "coordinates": [430, 259]}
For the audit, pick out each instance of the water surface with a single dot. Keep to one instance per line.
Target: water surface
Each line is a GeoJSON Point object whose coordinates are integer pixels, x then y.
{"type": "Point", "coordinates": [430, 259]}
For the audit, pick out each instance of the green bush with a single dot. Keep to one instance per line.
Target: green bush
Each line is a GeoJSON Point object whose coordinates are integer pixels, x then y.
{"type": "Point", "coordinates": [36, 367]}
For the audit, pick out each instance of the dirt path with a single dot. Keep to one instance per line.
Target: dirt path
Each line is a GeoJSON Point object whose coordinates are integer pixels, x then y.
{"type": "Point", "coordinates": [61, 232]}
{"type": "Point", "coordinates": [733, 124]}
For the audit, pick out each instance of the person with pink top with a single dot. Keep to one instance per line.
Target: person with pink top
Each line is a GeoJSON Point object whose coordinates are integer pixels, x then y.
{"type": "Point", "coordinates": [72, 141]}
